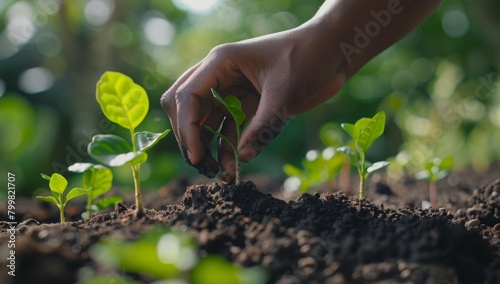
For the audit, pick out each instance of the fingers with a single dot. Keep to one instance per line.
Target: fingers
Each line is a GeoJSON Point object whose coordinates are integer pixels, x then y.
{"type": "Point", "coordinates": [271, 117]}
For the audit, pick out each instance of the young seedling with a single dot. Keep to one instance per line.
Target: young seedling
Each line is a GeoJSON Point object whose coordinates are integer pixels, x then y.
{"type": "Point", "coordinates": [434, 171]}
{"type": "Point", "coordinates": [233, 106]}
{"type": "Point", "coordinates": [126, 104]}
{"type": "Point", "coordinates": [99, 179]}
{"type": "Point", "coordinates": [57, 185]}
{"type": "Point", "coordinates": [364, 132]}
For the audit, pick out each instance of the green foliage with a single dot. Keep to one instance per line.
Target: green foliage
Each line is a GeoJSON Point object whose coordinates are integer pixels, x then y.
{"type": "Point", "coordinates": [233, 106]}
{"type": "Point", "coordinates": [436, 169]}
{"type": "Point", "coordinates": [166, 254]}
{"type": "Point", "coordinates": [317, 169]}
{"type": "Point", "coordinates": [126, 103]}
{"type": "Point", "coordinates": [57, 185]}
{"type": "Point", "coordinates": [364, 132]}
{"type": "Point", "coordinates": [99, 179]}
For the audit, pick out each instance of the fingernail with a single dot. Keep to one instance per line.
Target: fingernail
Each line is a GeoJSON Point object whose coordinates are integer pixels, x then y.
{"type": "Point", "coordinates": [247, 153]}
{"type": "Point", "coordinates": [210, 172]}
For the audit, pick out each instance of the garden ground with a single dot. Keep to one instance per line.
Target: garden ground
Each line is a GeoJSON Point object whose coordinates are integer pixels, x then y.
{"type": "Point", "coordinates": [325, 237]}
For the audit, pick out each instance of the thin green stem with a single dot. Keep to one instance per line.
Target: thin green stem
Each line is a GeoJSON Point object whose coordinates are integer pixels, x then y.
{"type": "Point", "coordinates": [362, 177]}
{"type": "Point", "coordinates": [132, 138]}
{"type": "Point", "coordinates": [89, 205]}
{"type": "Point", "coordinates": [137, 186]}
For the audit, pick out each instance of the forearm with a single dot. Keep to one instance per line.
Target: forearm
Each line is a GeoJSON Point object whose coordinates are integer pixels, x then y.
{"type": "Point", "coordinates": [361, 29]}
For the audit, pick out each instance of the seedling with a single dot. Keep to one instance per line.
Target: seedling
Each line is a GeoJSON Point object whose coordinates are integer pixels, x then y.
{"type": "Point", "coordinates": [434, 171]}
{"type": "Point", "coordinates": [57, 185]}
{"type": "Point", "coordinates": [126, 104]}
{"type": "Point", "coordinates": [99, 179]}
{"type": "Point", "coordinates": [364, 132]}
{"type": "Point", "coordinates": [233, 106]}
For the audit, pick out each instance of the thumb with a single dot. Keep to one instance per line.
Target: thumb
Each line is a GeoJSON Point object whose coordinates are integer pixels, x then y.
{"type": "Point", "coordinates": [267, 123]}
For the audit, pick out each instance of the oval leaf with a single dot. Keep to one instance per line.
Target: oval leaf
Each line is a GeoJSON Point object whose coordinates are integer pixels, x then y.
{"type": "Point", "coordinates": [377, 166]}
{"type": "Point", "coordinates": [75, 192]}
{"type": "Point", "coordinates": [292, 170]}
{"type": "Point", "coordinates": [145, 139]}
{"type": "Point", "coordinates": [372, 130]}
{"type": "Point", "coordinates": [44, 176]}
{"type": "Point", "coordinates": [50, 199]}
{"type": "Point", "coordinates": [57, 183]}
{"type": "Point", "coordinates": [99, 179]}
{"type": "Point", "coordinates": [121, 100]}
{"type": "Point", "coordinates": [110, 150]}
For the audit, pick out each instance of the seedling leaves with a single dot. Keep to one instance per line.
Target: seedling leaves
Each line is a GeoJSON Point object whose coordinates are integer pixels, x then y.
{"type": "Point", "coordinates": [121, 100]}
{"type": "Point", "coordinates": [75, 192]}
{"type": "Point", "coordinates": [377, 166]}
{"type": "Point", "coordinates": [114, 151]}
{"type": "Point", "coordinates": [57, 183]}
{"type": "Point", "coordinates": [145, 140]}
{"type": "Point", "coordinates": [44, 176]}
{"type": "Point", "coordinates": [99, 178]}
{"type": "Point", "coordinates": [233, 105]}
{"type": "Point", "coordinates": [80, 167]}
{"type": "Point", "coordinates": [50, 199]}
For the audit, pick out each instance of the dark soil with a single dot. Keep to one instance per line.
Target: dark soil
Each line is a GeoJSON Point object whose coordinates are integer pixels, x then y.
{"type": "Point", "coordinates": [318, 238]}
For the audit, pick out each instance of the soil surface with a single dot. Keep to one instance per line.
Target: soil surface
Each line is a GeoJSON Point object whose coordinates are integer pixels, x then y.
{"type": "Point", "coordinates": [310, 238]}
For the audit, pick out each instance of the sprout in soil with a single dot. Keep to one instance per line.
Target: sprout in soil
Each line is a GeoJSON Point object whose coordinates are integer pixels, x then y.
{"type": "Point", "coordinates": [434, 171]}
{"type": "Point", "coordinates": [57, 185]}
{"type": "Point", "coordinates": [126, 104]}
{"type": "Point", "coordinates": [364, 132]}
{"type": "Point", "coordinates": [99, 179]}
{"type": "Point", "coordinates": [233, 106]}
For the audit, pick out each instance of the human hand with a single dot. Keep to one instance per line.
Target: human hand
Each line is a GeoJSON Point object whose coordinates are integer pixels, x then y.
{"type": "Point", "coordinates": [275, 76]}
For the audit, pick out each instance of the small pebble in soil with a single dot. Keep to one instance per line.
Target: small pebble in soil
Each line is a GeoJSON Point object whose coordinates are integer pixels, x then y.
{"type": "Point", "coordinates": [496, 228]}
{"type": "Point", "coordinates": [473, 223]}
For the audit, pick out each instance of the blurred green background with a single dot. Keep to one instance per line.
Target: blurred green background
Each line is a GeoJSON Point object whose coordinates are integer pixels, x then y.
{"type": "Point", "coordinates": [439, 86]}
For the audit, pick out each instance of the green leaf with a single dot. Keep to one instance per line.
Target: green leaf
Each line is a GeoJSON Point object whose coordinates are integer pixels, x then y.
{"type": "Point", "coordinates": [121, 100]}
{"type": "Point", "coordinates": [100, 179]}
{"type": "Point", "coordinates": [233, 105]}
{"type": "Point", "coordinates": [377, 166]}
{"type": "Point", "coordinates": [292, 171]}
{"type": "Point", "coordinates": [114, 151]}
{"type": "Point", "coordinates": [50, 199]}
{"type": "Point", "coordinates": [350, 129]}
{"type": "Point", "coordinates": [108, 202]}
{"type": "Point", "coordinates": [220, 135]}
{"type": "Point", "coordinates": [446, 163]}
{"type": "Point", "coordinates": [226, 272]}
{"type": "Point", "coordinates": [57, 183]}
{"type": "Point", "coordinates": [75, 192]}
{"type": "Point", "coordinates": [370, 131]}
{"type": "Point", "coordinates": [44, 176]}
{"type": "Point", "coordinates": [145, 140]}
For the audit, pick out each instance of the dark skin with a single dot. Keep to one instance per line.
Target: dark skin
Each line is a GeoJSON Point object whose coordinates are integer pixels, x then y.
{"type": "Point", "coordinates": [281, 75]}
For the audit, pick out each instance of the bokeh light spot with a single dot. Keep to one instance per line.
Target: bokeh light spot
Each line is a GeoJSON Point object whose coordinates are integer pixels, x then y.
{"type": "Point", "coordinates": [455, 23]}
{"type": "Point", "coordinates": [159, 31]}
{"type": "Point", "coordinates": [36, 80]}
{"type": "Point", "coordinates": [196, 6]}
{"type": "Point", "coordinates": [98, 12]}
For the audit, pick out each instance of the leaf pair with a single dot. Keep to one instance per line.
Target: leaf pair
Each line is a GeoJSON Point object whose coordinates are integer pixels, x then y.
{"type": "Point", "coordinates": [57, 185]}
{"type": "Point", "coordinates": [436, 169]}
{"type": "Point", "coordinates": [366, 130]}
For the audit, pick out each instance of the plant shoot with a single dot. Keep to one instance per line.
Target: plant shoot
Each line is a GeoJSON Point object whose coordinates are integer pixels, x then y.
{"type": "Point", "coordinates": [364, 132]}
